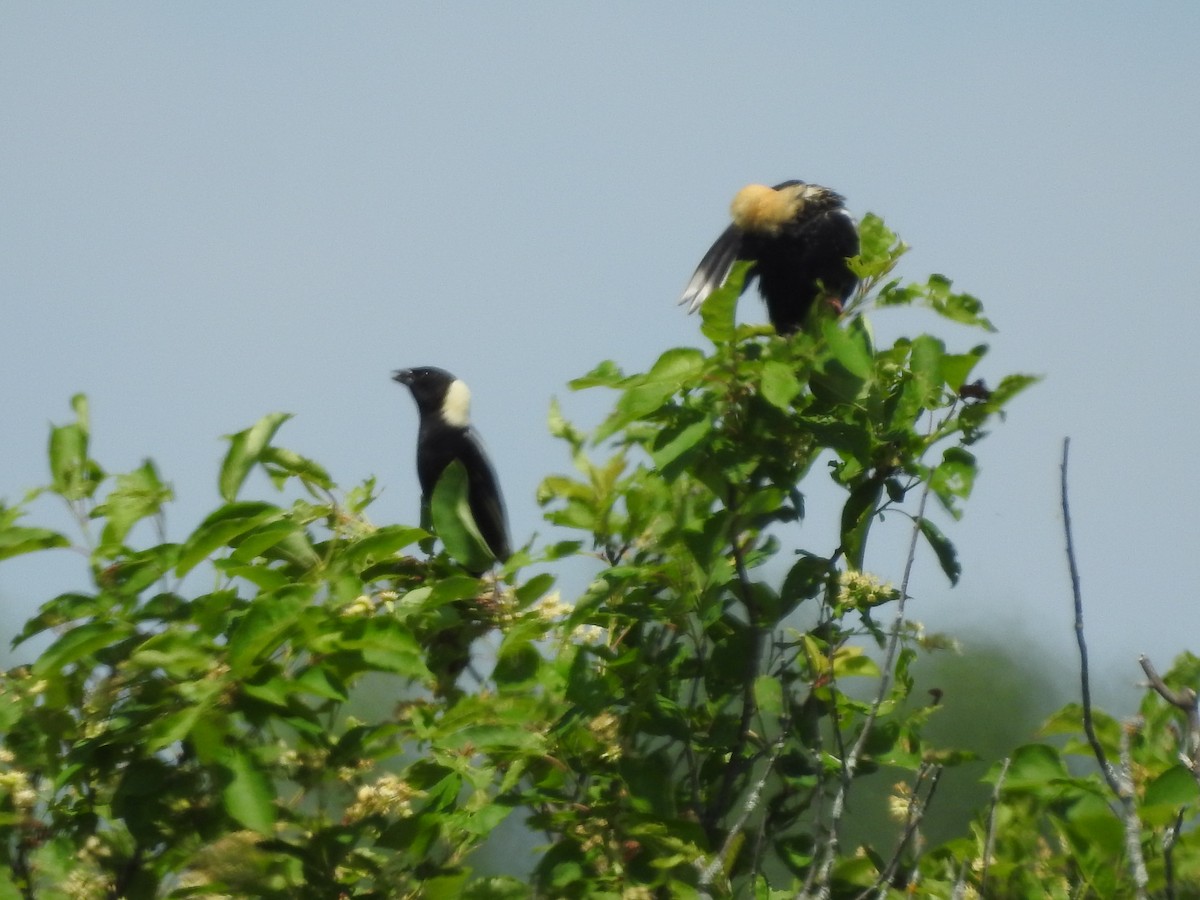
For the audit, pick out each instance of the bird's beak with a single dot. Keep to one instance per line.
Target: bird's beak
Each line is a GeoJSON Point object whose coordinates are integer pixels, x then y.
{"type": "Point", "coordinates": [404, 376]}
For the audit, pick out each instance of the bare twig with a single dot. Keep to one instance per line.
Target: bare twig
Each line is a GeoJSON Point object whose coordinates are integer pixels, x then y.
{"type": "Point", "coordinates": [1184, 700]}
{"type": "Point", "coordinates": [737, 763]}
{"type": "Point", "coordinates": [1089, 727]}
{"type": "Point", "coordinates": [989, 842]}
{"type": "Point", "coordinates": [688, 753]}
{"type": "Point", "coordinates": [960, 885]}
{"type": "Point", "coordinates": [829, 852]}
{"type": "Point", "coordinates": [917, 808]}
{"type": "Point", "coordinates": [1120, 782]}
{"type": "Point", "coordinates": [1169, 840]}
{"type": "Point", "coordinates": [717, 863]}
{"type": "Point", "coordinates": [1133, 827]}
{"type": "Point", "coordinates": [21, 867]}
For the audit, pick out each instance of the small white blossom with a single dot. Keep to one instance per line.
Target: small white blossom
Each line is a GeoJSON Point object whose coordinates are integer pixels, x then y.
{"type": "Point", "coordinates": [388, 796]}
{"type": "Point", "coordinates": [589, 634]}
{"type": "Point", "coordinates": [863, 590]}
{"type": "Point", "coordinates": [552, 606]}
{"type": "Point", "coordinates": [359, 606]}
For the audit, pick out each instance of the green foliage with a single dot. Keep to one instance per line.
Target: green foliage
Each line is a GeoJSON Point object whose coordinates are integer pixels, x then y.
{"type": "Point", "coordinates": [205, 718]}
{"type": "Point", "coordinates": [450, 512]}
{"type": "Point", "coordinates": [172, 737]}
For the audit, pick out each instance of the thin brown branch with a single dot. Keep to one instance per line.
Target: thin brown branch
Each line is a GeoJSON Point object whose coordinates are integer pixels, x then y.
{"type": "Point", "coordinates": [1184, 700]}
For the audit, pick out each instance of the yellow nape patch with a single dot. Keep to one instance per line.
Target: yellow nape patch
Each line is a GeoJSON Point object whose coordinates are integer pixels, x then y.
{"type": "Point", "coordinates": [764, 209]}
{"type": "Point", "coordinates": [456, 405]}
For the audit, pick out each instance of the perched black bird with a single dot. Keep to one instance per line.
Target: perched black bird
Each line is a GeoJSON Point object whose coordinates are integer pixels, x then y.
{"type": "Point", "coordinates": [796, 235]}
{"type": "Point", "coordinates": [445, 434]}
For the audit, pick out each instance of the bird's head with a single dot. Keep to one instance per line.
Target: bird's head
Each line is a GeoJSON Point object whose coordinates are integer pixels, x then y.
{"type": "Point", "coordinates": [765, 210]}
{"type": "Point", "coordinates": [438, 392]}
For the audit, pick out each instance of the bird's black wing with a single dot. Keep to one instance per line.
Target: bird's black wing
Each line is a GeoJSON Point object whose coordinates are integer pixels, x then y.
{"type": "Point", "coordinates": [828, 239]}
{"type": "Point", "coordinates": [484, 497]}
{"type": "Point", "coordinates": [713, 269]}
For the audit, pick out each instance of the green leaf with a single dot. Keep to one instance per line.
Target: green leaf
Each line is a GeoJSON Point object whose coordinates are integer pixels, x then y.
{"type": "Point", "coordinates": [533, 589]}
{"type": "Point", "coordinates": [179, 655]}
{"type": "Point", "coordinates": [925, 361]}
{"type": "Point", "coordinates": [879, 248]}
{"type": "Point", "coordinates": [445, 887]}
{"type": "Point", "coordinates": [957, 307]}
{"type": "Point", "coordinates": [17, 539]}
{"type": "Point", "coordinates": [559, 427]}
{"type": "Point", "coordinates": [245, 450]}
{"type": "Point", "coordinates": [320, 682]}
{"type": "Point", "coordinates": [64, 609]}
{"type": "Point", "coordinates": [718, 312]}
{"type": "Point", "coordinates": [849, 662]}
{"type": "Point", "coordinates": [1167, 794]}
{"type": "Point", "coordinates": [842, 374]}
{"type": "Point", "coordinates": [386, 646]}
{"type": "Point", "coordinates": [137, 495]}
{"type": "Point", "coordinates": [607, 374]}
{"type": "Point", "coordinates": [450, 510]}
{"type": "Point", "coordinates": [221, 527]}
{"type": "Point", "coordinates": [768, 695]}
{"type": "Point", "coordinates": [853, 346]}
{"type": "Point", "coordinates": [1033, 767]}
{"type": "Point", "coordinates": [953, 478]}
{"type": "Point", "coordinates": [780, 386]}
{"type": "Point", "coordinates": [172, 727]}
{"type": "Point", "coordinates": [947, 556]}
{"type": "Point", "coordinates": [282, 464]}
{"type": "Point", "coordinates": [675, 370]}
{"type": "Point", "coordinates": [957, 367]}
{"type": "Point", "coordinates": [517, 662]}
{"type": "Point", "coordinates": [383, 543]}
{"type": "Point", "coordinates": [251, 544]}
{"type": "Point", "coordinates": [73, 474]}
{"type": "Point", "coordinates": [137, 571]}
{"type": "Point", "coordinates": [79, 644]}
{"type": "Point", "coordinates": [673, 443]}
{"type": "Point", "coordinates": [141, 798]}
{"type": "Point", "coordinates": [271, 618]}
{"type": "Point", "coordinates": [857, 515]}
{"type": "Point", "coordinates": [249, 797]}
{"type": "Point", "coordinates": [804, 580]}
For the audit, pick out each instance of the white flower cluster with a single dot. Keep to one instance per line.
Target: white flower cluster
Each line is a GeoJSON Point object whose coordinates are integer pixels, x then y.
{"type": "Point", "coordinates": [388, 796]}
{"type": "Point", "coordinates": [863, 590]}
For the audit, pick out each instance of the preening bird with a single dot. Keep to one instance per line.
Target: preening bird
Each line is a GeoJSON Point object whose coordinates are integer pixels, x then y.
{"type": "Point", "coordinates": [797, 236]}
{"type": "Point", "coordinates": [444, 435]}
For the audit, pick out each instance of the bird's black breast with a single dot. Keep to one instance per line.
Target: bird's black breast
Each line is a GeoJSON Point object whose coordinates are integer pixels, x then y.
{"type": "Point", "coordinates": [789, 266]}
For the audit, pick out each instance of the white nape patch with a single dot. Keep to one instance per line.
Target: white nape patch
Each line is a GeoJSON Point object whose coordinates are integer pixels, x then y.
{"type": "Point", "coordinates": [456, 405]}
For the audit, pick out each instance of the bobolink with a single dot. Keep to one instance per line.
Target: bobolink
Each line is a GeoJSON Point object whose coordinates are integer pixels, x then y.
{"type": "Point", "coordinates": [797, 236]}
{"type": "Point", "coordinates": [445, 434]}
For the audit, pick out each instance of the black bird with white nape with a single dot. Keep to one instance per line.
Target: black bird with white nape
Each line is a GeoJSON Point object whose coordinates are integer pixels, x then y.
{"type": "Point", "coordinates": [797, 237]}
{"type": "Point", "coordinates": [445, 435]}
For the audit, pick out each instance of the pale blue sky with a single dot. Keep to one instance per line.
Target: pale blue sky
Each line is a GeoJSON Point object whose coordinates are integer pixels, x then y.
{"type": "Point", "coordinates": [213, 211]}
